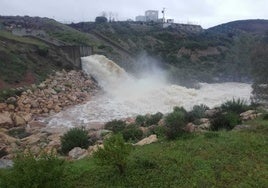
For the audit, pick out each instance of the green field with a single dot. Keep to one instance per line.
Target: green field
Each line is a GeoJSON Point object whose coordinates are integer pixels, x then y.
{"type": "Point", "coordinates": [222, 159]}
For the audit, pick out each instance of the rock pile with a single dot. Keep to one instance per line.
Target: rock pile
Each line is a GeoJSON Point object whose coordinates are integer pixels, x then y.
{"type": "Point", "coordinates": [52, 95]}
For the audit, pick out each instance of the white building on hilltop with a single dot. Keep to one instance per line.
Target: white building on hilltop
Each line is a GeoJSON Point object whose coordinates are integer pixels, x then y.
{"type": "Point", "coordinates": [151, 15]}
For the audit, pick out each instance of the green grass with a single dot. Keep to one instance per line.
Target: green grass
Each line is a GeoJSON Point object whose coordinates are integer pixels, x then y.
{"type": "Point", "coordinates": [231, 159]}
{"type": "Point", "coordinates": [26, 40]}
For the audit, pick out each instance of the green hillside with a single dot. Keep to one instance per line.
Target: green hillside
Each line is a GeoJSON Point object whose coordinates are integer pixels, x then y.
{"type": "Point", "coordinates": [189, 53]}
{"type": "Point", "coordinates": [193, 54]}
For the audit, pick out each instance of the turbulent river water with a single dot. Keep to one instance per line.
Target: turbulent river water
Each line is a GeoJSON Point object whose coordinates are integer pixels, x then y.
{"type": "Point", "coordinates": [125, 96]}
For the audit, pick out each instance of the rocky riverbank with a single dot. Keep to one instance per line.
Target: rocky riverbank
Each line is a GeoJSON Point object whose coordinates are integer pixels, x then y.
{"type": "Point", "coordinates": [18, 128]}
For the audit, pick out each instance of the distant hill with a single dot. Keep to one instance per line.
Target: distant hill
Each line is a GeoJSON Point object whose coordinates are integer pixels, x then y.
{"type": "Point", "coordinates": [188, 52]}
{"type": "Point", "coordinates": [251, 26]}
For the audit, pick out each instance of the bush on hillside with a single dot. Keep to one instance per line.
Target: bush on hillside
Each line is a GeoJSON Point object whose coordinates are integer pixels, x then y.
{"type": "Point", "coordinates": [114, 153]}
{"type": "Point", "coordinates": [236, 106]}
{"type": "Point", "coordinates": [154, 119]}
{"type": "Point", "coordinates": [75, 137]}
{"type": "Point", "coordinates": [115, 125]}
{"type": "Point", "coordinates": [140, 120]}
{"type": "Point", "coordinates": [175, 123]}
{"type": "Point", "coordinates": [225, 121]}
{"type": "Point", "coordinates": [132, 133]}
{"type": "Point", "coordinates": [197, 112]}
{"type": "Point", "coordinates": [147, 121]}
{"type": "Point", "coordinates": [5, 94]}
{"type": "Point", "coordinates": [160, 131]}
{"type": "Point", "coordinates": [30, 172]}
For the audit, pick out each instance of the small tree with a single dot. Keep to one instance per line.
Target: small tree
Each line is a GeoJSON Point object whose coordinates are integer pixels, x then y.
{"type": "Point", "coordinates": [114, 153]}
{"type": "Point", "coordinates": [175, 123]}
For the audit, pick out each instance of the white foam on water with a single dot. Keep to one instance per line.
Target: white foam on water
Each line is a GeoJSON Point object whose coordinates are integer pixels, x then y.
{"type": "Point", "coordinates": [124, 96]}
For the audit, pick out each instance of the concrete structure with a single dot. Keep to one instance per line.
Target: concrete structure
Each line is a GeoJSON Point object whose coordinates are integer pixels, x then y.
{"type": "Point", "coordinates": [151, 15]}
{"type": "Point", "coordinates": [74, 53]}
{"type": "Point", "coordinates": [140, 19]}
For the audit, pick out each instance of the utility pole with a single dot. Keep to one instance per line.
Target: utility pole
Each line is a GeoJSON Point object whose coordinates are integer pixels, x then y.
{"type": "Point", "coordinates": [163, 12]}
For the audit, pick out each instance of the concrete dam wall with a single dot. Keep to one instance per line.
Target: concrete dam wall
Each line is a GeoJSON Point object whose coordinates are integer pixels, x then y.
{"type": "Point", "coordinates": [74, 53]}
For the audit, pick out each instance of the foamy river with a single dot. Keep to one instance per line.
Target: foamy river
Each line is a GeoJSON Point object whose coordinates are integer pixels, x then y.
{"type": "Point", "coordinates": [124, 96]}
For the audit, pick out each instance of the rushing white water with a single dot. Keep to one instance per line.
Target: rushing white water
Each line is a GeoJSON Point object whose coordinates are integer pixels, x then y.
{"type": "Point", "coordinates": [125, 96]}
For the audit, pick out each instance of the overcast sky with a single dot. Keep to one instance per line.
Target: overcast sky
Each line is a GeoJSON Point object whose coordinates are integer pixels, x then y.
{"type": "Point", "coordinates": [206, 13]}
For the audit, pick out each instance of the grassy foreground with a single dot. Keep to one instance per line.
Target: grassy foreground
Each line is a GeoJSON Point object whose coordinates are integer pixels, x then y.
{"type": "Point", "coordinates": [214, 159]}
{"type": "Point", "coordinates": [211, 159]}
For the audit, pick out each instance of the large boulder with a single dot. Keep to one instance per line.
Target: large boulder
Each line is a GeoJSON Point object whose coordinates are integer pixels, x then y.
{"type": "Point", "coordinates": [248, 115]}
{"type": "Point", "coordinates": [205, 124]}
{"type": "Point", "coordinates": [18, 120]}
{"type": "Point", "coordinates": [77, 153]}
{"type": "Point", "coordinates": [92, 149]}
{"type": "Point", "coordinates": [212, 112]}
{"type": "Point", "coordinates": [190, 128]}
{"type": "Point", "coordinates": [5, 120]}
{"type": "Point", "coordinates": [148, 140]}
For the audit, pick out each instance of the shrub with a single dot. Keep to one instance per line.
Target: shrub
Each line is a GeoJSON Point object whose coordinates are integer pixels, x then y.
{"type": "Point", "coordinates": [154, 119]}
{"type": "Point", "coordinates": [5, 94]}
{"type": "Point", "coordinates": [75, 137]}
{"type": "Point", "coordinates": [140, 120]}
{"type": "Point", "coordinates": [225, 121]}
{"type": "Point", "coordinates": [116, 126]}
{"type": "Point", "coordinates": [132, 133]}
{"type": "Point", "coordinates": [175, 122]}
{"type": "Point", "coordinates": [158, 130]}
{"type": "Point", "coordinates": [30, 172]}
{"type": "Point", "coordinates": [149, 120]}
{"type": "Point", "coordinates": [179, 109]}
{"type": "Point", "coordinates": [236, 106]}
{"type": "Point", "coordinates": [115, 153]}
{"type": "Point", "coordinates": [197, 112]}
